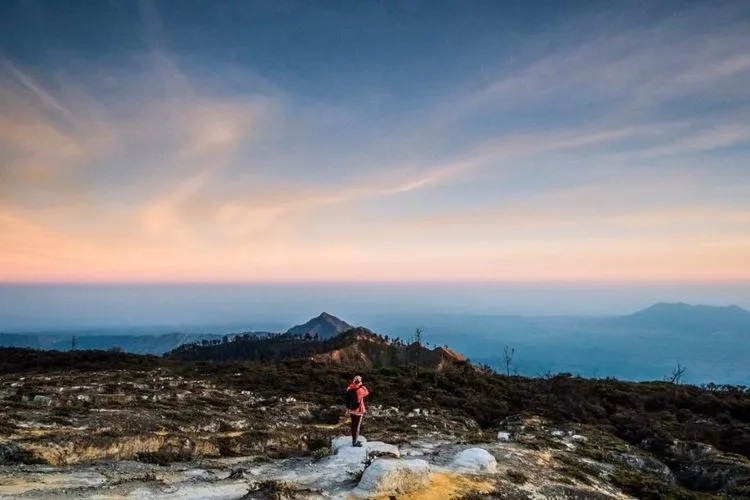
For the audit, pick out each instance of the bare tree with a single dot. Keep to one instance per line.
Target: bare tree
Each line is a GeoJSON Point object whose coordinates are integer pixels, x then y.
{"type": "Point", "coordinates": [73, 346]}
{"type": "Point", "coordinates": [418, 341]}
{"type": "Point", "coordinates": [508, 353]}
{"type": "Point", "coordinates": [677, 372]}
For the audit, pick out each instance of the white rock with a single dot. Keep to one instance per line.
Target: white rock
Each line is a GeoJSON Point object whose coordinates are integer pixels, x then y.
{"type": "Point", "coordinates": [503, 436]}
{"type": "Point", "coordinates": [474, 460]}
{"type": "Point", "coordinates": [577, 438]}
{"type": "Point", "coordinates": [192, 491]}
{"type": "Point", "coordinates": [344, 441]}
{"type": "Point", "coordinates": [352, 454]}
{"type": "Point", "coordinates": [42, 400]}
{"type": "Point", "coordinates": [557, 433]}
{"type": "Point", "coordinates": [199, 474]}
{"type": "Point", "coordinates": [392, 477]}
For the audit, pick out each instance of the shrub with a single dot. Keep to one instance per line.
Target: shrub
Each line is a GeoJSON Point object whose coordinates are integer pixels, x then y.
{"type": "Point", "coordinates": [270, 490]}
{"type": "Point", "coordinates": [517, 477]}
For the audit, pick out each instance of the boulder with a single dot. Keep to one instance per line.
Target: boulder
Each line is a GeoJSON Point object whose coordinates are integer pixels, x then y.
{"type": "Point", "coordinates": [474, 460]}
{"type": "Point", "coordinates": [503, 436]}
{"type": "Point", "coordinates": [386, 477]}
{"type": "Point", "coordinates": [40, 400]}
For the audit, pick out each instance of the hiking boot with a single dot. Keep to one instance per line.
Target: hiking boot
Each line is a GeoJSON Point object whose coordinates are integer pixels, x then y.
{"type": "Point", "coordinates": [358, 444]}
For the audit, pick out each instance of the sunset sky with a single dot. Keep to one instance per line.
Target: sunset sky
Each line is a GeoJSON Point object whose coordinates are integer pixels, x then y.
{"type": "Point", "coordinates": [282, 140]}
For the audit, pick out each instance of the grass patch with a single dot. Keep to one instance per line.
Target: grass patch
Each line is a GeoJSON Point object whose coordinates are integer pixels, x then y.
{"type": "Point", "coordinates": [321, 453]}
{"type": "Point", "coordinates": [145, 478]}
{"type": "Point", "coordinates": [271, 490]}
{"type": "Point", "coordinates": [574, 473]}
{"type": "Point", "coordinates": [645, 487]}
{"type": "Point", "coordinates": [12, 454]}
{"type": "Point", "coordinates": [478, 437]}
{"type": "Point", "coordinates": [7, 427]}
{"type": "Point", "coordinates": [577, 469]}
{"type": "Point", "coordinates": [540, 442]}
{"type": "Point", "coordinates": [517, 477]}
{"type": "Point", "coordinates": [163, 458]}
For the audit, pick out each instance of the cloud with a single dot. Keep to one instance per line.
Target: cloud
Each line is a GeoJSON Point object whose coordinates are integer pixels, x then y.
{"type": "Point", "coordinates": [563, 163]}
{"type": "Point", "coordinates": [35, 88]}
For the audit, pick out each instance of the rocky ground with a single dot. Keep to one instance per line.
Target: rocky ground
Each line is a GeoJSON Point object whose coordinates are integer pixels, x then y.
{"type": "Point", "coordinates": [154, 434]}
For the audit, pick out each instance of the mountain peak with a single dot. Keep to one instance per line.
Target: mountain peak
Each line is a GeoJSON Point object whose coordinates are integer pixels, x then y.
{"type": "Point", "coordinates": [325, 326]}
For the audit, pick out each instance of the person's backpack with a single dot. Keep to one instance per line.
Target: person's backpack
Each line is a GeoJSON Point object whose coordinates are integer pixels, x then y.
{"type": "Point", "coordinates": [351, 400]}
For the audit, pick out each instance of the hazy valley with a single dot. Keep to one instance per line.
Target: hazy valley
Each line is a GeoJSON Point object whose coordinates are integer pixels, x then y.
{"type": "Point", "coordinates": [711, 342]}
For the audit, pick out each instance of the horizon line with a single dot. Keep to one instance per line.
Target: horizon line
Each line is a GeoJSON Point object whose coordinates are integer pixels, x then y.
{"type": "Point", "coordinates": [741, 281]}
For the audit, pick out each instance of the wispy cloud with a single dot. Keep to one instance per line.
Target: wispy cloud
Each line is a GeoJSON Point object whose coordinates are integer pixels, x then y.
{"type": "Point", "coordinates": [158, 166]}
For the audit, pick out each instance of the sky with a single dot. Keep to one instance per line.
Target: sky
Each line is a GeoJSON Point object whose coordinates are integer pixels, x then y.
{"type": "Point", "coordinates": [369, 141]}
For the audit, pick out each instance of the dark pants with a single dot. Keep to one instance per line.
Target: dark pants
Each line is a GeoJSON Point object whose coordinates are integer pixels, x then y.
{"type": "Point", "coordinates": [356, 424]}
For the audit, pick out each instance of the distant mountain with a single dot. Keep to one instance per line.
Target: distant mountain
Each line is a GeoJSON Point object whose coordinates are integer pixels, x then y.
{"type": "Point", "coordinates": [137, 344]}
{"type": "Point", "coordinates": [695, 318]}
{"type": "Point", "coordinates": [356, 348]}
{"type": "Point", "coordinates": [325, 326]}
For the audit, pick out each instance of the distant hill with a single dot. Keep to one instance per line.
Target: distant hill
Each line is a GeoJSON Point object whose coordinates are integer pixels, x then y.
{"type": "Point", "coordinates": [137, 344]}
{"type": "Point", "coordinates": [686, 317]}
{"type": "Point", "coordinates": [325, 326]}
{"type": "Point", "coordinates": [357, 348]}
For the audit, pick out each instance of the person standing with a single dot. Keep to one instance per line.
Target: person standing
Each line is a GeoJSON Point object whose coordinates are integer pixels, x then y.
{"type": "Point", "coordinates": [356, 393]}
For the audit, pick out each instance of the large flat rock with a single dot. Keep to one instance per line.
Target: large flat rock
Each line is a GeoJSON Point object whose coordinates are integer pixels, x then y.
{"type": "Point", "coordinates": [342, 446]}
{"type": "Point", "coordinates": [344, 442]}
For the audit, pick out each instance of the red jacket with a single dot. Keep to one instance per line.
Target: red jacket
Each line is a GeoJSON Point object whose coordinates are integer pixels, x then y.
{"type": "Point", "coordinates": [362, 393]}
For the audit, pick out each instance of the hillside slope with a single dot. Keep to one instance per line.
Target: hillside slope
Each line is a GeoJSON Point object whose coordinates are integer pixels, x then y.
{"type": "Point", "coordinates": [357, 348]}
{"type": "Point", "coordinates": [364, 349]}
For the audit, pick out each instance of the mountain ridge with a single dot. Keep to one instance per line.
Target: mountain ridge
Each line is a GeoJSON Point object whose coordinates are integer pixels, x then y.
{"type": "Point", "coordinates": [684, 316]}
{"type": "Point", "coordinates": [356, 348]}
